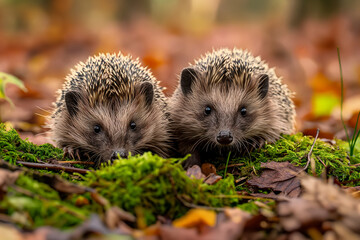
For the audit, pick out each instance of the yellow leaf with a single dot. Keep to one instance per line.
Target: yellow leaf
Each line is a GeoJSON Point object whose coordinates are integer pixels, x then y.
{"type": "Point", "coordinates": [196, 217]}
{"type": "Point", "coordinates": [324, 103]}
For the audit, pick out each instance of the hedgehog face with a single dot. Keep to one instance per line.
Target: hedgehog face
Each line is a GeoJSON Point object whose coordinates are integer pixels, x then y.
{"type": "Point", "coordinates": [226, 114]}
{"type": "Point", "coordinates": [115, 128]}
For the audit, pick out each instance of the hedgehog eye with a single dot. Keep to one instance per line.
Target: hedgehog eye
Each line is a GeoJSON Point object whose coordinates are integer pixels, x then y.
{"type": "Point", "coordinates": [243, 111]}
{"type": "Point", "coordinates": [132, 125]}
{"type": "Point", "coordinates": [97, 128]}
{"type": "Point", "coordinates": [207, 110]}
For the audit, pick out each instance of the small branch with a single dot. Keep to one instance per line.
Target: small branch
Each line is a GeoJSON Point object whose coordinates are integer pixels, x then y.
{"type": "Point", "coordinates": [53, 167]}
{"type": "Point", "coordinates": [355, 165]}
{"type": "Point", "coordinates": [77, 162]}
{"type": "Point", "coordinates": [192, 205]}
{"type": "Point", "coordinates": [240, 179]}
{"type": "Point", "coordinates": [311, 149]}
{"type": "Point", "coordinates": [232, 165]}
{"type": "Point", "coordinates": [321, 161]}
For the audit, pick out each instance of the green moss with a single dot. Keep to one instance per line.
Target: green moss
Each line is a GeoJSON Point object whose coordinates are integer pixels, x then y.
{"type": "Point", "coordinates": [14, 148]}
{"type": "Point", "coordinates": [32, 204]}
{"type": "Point", "coordinates": [249, 207]}
{"type": "Point", "coordinates": [160, 186]}
{"type": "Point", "coordinates": [295, 148]}
{"type": "Point", "coordinates": [146, 185]}
{"type": "Point", "coordinates": [149, 185]}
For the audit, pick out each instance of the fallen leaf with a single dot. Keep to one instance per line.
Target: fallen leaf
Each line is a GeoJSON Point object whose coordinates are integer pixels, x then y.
{"type": "Point", "coordinates": [9, 232]}
{"type": "Point", "coordinates": [231, 224]}
{"type": "Point", "coordinates": [91, 227]}
{"type": "Point", "coordinates": [196, 217]}
{"type": "Point", "coordinates": [322, 206]}
{"type": "Point", "coordinates": [195, 171]}
{"type": "Point", "coordinates": [7, 178]}
{"type": "Point", "coordinates": [212, 178]}
{"type": "Point", "coordinates": [236, 215]}
{"type": "Point", "coordinates": [168, 232]}
{"type": "Point", "coordinates": [354, 191]}
{"type": "Point", "coordinates": [99, 199]}
{"type": "Point", "coordinates": [298, 212]}
{"type": "Point", "coordinates": [115, 217]}
{"type": "Point", "coordinates": [324, 103]}
{"type": "Point", "coordinates": [280, 177]}
{"type": "Point", "coordinates": [208, 168]}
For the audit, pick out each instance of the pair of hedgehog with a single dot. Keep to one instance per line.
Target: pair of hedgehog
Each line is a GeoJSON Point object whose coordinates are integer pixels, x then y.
{"type": "Point", "coordinates": [228, 100]}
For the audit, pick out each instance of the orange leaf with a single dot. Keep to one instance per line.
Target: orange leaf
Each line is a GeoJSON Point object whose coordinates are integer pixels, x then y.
{"type": "Point", "coordinates": [196, 217]}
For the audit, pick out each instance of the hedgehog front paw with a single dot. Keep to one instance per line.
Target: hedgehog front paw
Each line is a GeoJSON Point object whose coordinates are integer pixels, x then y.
{"type": "Point", "coordinates": [71, 153]}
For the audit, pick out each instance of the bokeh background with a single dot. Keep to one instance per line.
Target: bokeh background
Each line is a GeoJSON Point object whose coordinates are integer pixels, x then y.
{"type": "Point", "coordinates": [40, 40]}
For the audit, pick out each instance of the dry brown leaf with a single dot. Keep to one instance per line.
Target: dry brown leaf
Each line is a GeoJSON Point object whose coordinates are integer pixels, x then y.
{"type": "Point", "coordinates": [195, 171]}
{"type": "Point", "coordinates": [99, 199]}
{"type": "Point", "coordinates": [323, 206]}
{"type": "Point", "coordinates": [354, 191]}
{"type": "Point", "coordinates": [115, 217]}
{"type": "Point", "coordinates": [212, 179]}
{"type": "Point", "coordinates": [7, 178]}
{"type": "Point", "coordinates": [280, 177]}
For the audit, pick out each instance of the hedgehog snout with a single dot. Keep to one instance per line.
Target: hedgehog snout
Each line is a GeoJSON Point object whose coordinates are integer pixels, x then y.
{"type": "Point", "coordinates": [121, 152]}
{"type": "Point", "coordinates": [224, 137]}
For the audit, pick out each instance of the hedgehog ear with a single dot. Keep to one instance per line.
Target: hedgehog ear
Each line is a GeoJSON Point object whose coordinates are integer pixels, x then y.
{"type": "Point", "coordinates": [147, 90]}
{"type": "Point", "coordinates": [263, 85]}
{"type": "Point", "coordinates": [188, 76]}
{"type": "Point", "coordinates": [71, 100]}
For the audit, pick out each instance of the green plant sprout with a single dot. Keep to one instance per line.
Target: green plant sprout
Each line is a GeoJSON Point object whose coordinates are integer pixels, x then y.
{"type": "Point", "coordinates": [353, 140]}
{"type": "Point", "coordinates": [227, 162]}
{"type": "Point", "coordinates": [5, 79]}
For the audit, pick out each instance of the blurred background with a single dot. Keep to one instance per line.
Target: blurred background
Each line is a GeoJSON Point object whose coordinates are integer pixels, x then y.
{"type": "Point", "coordinates": [40, 40]}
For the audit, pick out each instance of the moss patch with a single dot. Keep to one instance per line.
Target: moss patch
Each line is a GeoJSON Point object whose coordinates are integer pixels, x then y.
{"type": "Point", "coordinates": [149, 185]}
{"type": "Point", "coordinates": [14, 148]}
{"type": "Point", "coordinates": [146, 186]}
{"type": "Point", "coordinates": [295, 148]}
{"type": "Point", "coordinates": [156, 186]}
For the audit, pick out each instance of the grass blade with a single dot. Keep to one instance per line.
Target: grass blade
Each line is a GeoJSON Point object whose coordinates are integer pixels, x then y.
{"type": "Point", "coordinates": [342, 97]}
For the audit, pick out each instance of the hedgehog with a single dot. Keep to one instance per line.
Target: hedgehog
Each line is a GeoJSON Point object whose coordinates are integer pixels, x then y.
{"type": "Point", "coordinates": [110, 106]}
{"type": "Point", "coordinates": [228, 101]}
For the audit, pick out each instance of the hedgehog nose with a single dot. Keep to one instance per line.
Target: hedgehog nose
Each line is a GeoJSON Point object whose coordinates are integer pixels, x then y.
{"type": "Point", "coordinates": [121, 153]}
{"type": "Point", "coordinates": [224, 137]}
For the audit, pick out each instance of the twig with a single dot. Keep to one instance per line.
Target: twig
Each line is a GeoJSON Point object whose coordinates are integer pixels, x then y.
{"type": "Point", "coordinates": [355, 165]}
{"type": "Point", "coordinates": [240, 197]}
{"type": "Point", "coordinates": [77, 162]}
{"type": "Point", "coordinates": [192, 205]}
{"type": "Point", "coordinates": [53, 167]}
{"type": "Point", "coordinates": [240, 179]}
{"type": "Point", "coordinates": [311, 149]}
{"type": "Point", "coordinates": [232, 165]}
{"type": "Point", "coordinates": [254, 170]}
{"type": "Point", "coordinates": [321, 161]}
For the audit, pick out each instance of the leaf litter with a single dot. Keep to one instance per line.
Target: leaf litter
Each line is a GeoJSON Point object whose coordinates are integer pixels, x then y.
{"type": "Point", "coordinates": [117, 199]}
